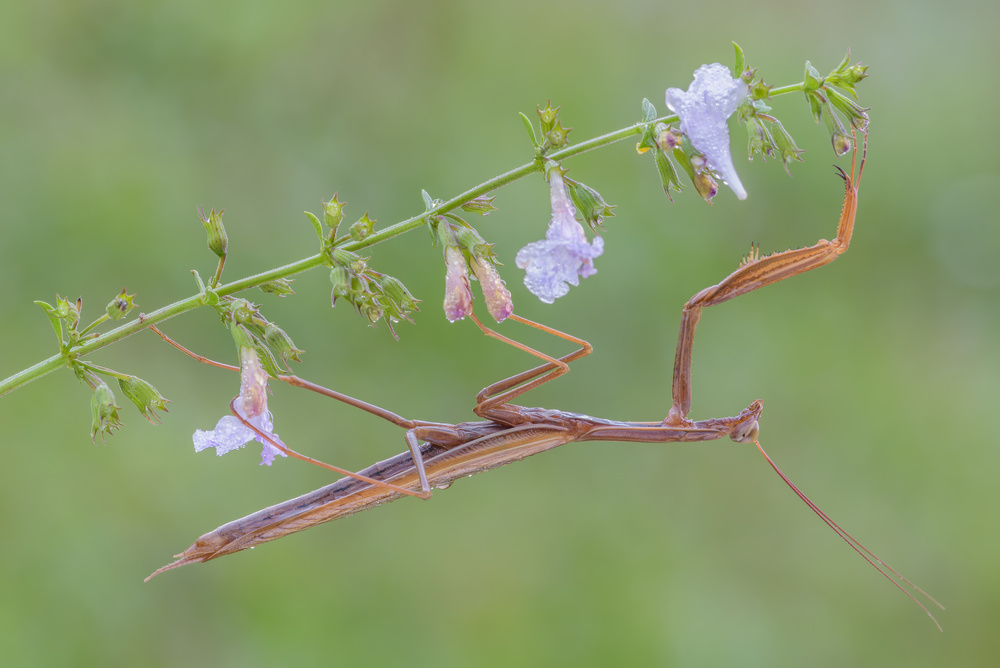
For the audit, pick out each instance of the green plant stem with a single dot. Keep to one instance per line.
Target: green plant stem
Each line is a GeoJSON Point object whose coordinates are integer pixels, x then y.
{"type": "Point", "coordinates": [145, 320]}
{"type": "Point", "coordinates": [781, 90]}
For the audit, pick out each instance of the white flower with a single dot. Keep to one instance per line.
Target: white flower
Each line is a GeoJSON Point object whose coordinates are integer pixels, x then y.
{"type": "Point", "coordinates": [703, 109]}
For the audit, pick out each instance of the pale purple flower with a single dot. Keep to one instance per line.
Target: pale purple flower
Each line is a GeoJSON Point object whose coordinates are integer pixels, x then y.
{"type": "Point", "coordinates": [564, 255]}
{"type": "Point", "coordinates": [703, 109]}
{"type": "Point", "coordinates": [457, 294]}
{"type": "Point", "coordinates": [231, 434]}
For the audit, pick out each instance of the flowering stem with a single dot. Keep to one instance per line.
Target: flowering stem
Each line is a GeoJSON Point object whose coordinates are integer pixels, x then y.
{"type": "Point", "coordinates": [68, 355]}
{"type": "Point", "coordinates": [502, 180]}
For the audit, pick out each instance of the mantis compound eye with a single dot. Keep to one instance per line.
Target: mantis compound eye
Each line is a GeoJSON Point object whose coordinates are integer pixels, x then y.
{"type": "Point", "coordinates": [745, 432]}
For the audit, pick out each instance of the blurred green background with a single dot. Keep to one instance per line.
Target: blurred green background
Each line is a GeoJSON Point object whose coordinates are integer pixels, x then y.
{"type": "Point", "coordinates": [880, 373]}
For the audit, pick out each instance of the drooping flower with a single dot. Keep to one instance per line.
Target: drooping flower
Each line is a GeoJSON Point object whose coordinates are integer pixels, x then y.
{"type": "Point", "coordinates": [231, 434]}
{"type": "Point", "coordinates": [457, 294]}
{"type": "Point", "coordinates": [495, 293]}
{"type": "Point", "coordinates": [703, 108]}
{"type": "Point", "coordinates": [564, 255]}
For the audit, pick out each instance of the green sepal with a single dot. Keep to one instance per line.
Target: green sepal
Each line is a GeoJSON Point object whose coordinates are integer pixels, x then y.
{"type": "Point", "coordinates": [816, 104]}
{"type": "Point", "coordinates": [668, 173]}
{"type": "Point", "coordinates": [483, 205]}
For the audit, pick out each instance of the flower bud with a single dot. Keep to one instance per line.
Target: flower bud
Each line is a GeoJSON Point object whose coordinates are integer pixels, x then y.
{"type": "Point", "coordinates": [467, 238]}
{"type": "Point", "coordinates": [855, 113]}
{"type": "Point", "coordinates": [786, 145]}
{"type": "Point", "coordinates": [547, 116]}
{"type": "Point", "coordinates": [589, 204]}
{"type": "Point", "coordinates": [103, 411]}
{"type": "Point", "coordinates": [218, 241]}
{"type": "Point", "coordinates": [758, 138]}
{"type": "Point", "coordinates": [333, 214]}
{"type": "Point", "coordinates": [281, 343]}
{"type": "Point", "coordinates": [558, 136]}
{"type": "Point", "coordinates": [842, 143]}
{"type": "Point", "coordinates": [362, 228]}
{"type": "Point", "coordinates": [119, 306]}
{"type": "Point", "coordinates": [279, 286]}
{"type": "Point", "coordinates": [345, 257]}
{"type": "Point", "coordinates": [68, 311]}
{"type": "Point", "coordinates": [145, 397]}
{"type": "Point", "coordinates": [838, 135]}
{"type": "Point", "coordinates": [846, 75]}
{"type": "Point", "coordinates": [398, 295]}
{"type": "Point", "coordinates": [340, 277]}
{"type": "Point", "coordinates": [666, 137]}
{"type": "Point", "coordinates": [706, 186]}
{"type": "Point", "coordinates": [242, 311]}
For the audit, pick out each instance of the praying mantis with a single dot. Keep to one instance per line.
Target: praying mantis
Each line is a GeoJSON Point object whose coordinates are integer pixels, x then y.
{"type": "Point", "coordinates": [440, 453]}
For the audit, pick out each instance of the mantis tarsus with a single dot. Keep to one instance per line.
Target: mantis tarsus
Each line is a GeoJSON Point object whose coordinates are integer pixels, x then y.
{"type": "Point", "coordinates": [510, 432]}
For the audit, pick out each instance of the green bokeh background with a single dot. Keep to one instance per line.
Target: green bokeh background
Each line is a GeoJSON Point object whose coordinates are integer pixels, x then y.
{"type": "Point", "coordinates": [880, 373]}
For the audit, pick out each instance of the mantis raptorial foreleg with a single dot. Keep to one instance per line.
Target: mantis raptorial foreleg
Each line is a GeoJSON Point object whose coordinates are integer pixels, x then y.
{"type": "Point", "coordinates": [756, 272]}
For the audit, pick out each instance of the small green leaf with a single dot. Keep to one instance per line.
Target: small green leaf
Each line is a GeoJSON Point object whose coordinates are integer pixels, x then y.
{"type": "Point", "coordinates": [316, 224]}
{"type": "Point", "coordinates": [813, 80]}
{"type": "Point", "coordinates": [530, 129]}
{"type": "Point", "coordinates": [740, 61]}
{"type": "Point", "coordinates": [648, 110]}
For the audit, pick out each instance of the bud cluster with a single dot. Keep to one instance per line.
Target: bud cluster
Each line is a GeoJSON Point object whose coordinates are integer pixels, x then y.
{"type": "Point", "coordinates": [826, 102]}
{"type": "Point", "coordinates": [373, 294]}
{"type": "Point", "coordinates": [251, 329]}
{"type": "Point", "coordinates": [554, 135]}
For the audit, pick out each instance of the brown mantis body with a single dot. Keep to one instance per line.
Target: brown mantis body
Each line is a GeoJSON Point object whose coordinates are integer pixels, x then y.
{"type": "Point", "coordinates": [510, 432]}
